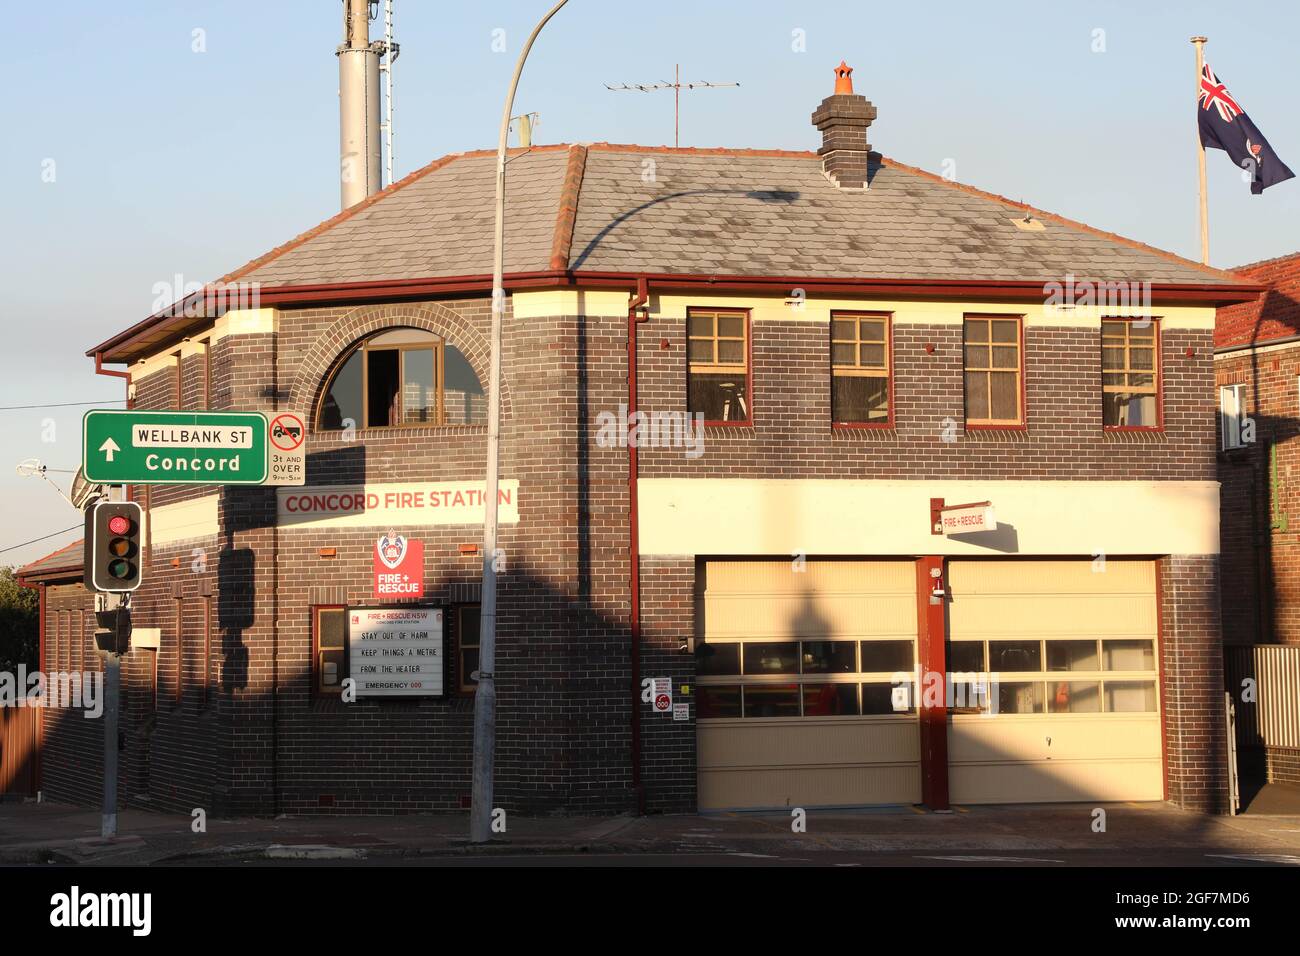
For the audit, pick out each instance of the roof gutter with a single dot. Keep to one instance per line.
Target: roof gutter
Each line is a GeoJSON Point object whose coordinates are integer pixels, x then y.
{"type": "Point", "coordinates": [176, 320]}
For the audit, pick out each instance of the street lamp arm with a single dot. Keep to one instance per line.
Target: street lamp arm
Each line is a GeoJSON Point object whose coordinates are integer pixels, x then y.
{"type": "Point", "coordinates": [485, 694]}
{"type": "Point", "coordinates": [510, 97]}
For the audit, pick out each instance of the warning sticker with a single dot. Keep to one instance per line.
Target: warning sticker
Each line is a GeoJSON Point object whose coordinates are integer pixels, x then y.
{"type": "Point", "coordinates": [663, 695]}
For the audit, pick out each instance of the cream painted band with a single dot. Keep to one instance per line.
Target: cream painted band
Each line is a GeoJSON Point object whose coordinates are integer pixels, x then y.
{"type": "Point", "coordinates": [146, 637]}
{"type": "Point", "coordinates": [184, 520]}
{"type": "Point", "coordinates": [742, 516]}
{"type": "Point", "coordinates": [162, 362]}
{"type": "Point", "coordinates": [550, 302]}
{"type": "Point", "coordinates": [246, 322]}
{"type": "Point", "coordinates": [234, 322]}
{"type": "Point", "coordinates": [779, 309]}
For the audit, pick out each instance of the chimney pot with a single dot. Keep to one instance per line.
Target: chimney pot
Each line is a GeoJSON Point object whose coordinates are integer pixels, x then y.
{"type": "Point", "coordinates": [844, 79]}
{"type": "Point", "coordinates": [843, 118]}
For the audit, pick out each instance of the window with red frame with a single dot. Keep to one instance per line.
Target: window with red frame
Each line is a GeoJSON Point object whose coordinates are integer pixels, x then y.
{"type": "Point", "coordinates": [329, 630]}
{"type": "Point", "coordinates": [860, 368]}
{"type": "Point", "coordinates": [467, 646]}
{"type": "Point", "coordinates": [717, 370]}
{"type": "Point", "coordinates": [994, 370]}
{"type": "Point", "coordinates": [1130, 374]}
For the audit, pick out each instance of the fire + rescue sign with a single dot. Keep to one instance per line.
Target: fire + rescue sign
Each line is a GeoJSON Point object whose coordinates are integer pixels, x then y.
{"type": "Point", "coordinates": [396, 651]}
{"type": "Point", "coordinates": [126, 446]}
{"type": "Point", "coordinates": [963, 519]}
{"type": "Point", "coordinates": [399, 566]}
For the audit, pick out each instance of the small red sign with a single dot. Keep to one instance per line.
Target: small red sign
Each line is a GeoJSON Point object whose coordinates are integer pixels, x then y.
{"type": "Point", "coordinates": [663, 702]}
{"type": "Point", "coordinates": [399, 566]}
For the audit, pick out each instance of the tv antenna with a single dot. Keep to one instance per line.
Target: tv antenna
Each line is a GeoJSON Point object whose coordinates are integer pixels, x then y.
{"type": "Point", "coordinates": [676, 86]}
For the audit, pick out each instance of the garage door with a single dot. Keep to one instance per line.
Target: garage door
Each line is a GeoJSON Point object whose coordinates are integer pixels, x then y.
{"type": "Point", "coordinates": [1072, 704]}
{"type": "Point", "coordinates": [804, 676]}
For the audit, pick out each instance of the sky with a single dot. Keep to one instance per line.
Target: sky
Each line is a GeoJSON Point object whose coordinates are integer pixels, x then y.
{"type": "Point", "coordinates": [163, 142]}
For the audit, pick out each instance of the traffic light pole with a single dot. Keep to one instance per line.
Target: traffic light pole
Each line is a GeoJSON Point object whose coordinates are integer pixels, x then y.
{"type": "Point", "coordinates": [112, 685]}
{"type": "Point", "coordinates": [112, 696]}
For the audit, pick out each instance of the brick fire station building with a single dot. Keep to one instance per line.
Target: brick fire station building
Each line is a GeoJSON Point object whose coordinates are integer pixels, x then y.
{"type": "Point", "coordinates": [1257, 372]}
{"type": "Point", "coordinates": [864, 342]}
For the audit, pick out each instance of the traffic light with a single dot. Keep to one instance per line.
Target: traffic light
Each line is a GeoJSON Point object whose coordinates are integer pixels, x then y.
{"type": "Point", "coordinates": [112, 555]}
{"type": "Point", "coordinates": [113, 630]}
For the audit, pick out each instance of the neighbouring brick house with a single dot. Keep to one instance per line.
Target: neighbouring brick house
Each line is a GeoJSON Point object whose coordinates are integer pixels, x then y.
{"type": "Point", "coordinates": [1257, 373]}
{"type": "Point", "coordinates": [70, 748]}
{"type": "Point", "coordinates": [860, 354]}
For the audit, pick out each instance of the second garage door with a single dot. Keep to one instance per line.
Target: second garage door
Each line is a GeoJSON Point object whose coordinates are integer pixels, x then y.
{"type": "Point", "coordinates": [1074, 712]}
{"type": "Point", "coordinates": [804, 673]}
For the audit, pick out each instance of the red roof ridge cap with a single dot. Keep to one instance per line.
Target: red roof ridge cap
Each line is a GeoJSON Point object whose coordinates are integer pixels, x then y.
{"type": "Point", "coordinates": [1260, 263]}
{"type": "Point", "coordinates": [702, 150]}
{"type": "Point", "coordinates": [566, 215]}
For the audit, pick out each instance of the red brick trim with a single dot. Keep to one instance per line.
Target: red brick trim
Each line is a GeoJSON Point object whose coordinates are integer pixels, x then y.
{"type": "Point", "coordinates": [567, 217]}
{"type": "Point", "coordinates": [313, 372]}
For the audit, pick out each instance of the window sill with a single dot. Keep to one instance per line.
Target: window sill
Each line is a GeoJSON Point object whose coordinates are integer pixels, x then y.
{"type": "Point", "coordinates": [398, 431]}
{"type": "Point", "coordinates": [1135, 436]}
{"type": "Point", "coordinates": [729, 429]}
{"type": "Point", "coordinates": [843, 431]}
{"type": "Point", "coordinates": [997, 433]}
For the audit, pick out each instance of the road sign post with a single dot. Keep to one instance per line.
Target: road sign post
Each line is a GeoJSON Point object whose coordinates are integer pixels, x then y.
{"type": "Point", "coordinates": [128, 446]}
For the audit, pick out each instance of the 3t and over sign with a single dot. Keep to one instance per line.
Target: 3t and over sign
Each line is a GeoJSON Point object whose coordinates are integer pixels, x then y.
{"type": "Point", "coordinates": [286, 450]}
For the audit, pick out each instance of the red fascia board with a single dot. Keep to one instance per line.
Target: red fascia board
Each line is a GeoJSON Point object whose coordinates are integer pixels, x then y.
{"type": "Point", "coordinates": [1209, 293]}
{"type": "Point", "coordinates": [395, 289]}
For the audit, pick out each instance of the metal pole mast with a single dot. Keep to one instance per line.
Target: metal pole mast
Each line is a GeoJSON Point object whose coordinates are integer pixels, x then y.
{"type": "Point", "coordinates": [1199, 43]}
{"type": "Point", "coordinates": [391, 51]}
{"type": "Point", "coordinates": [485, 701]}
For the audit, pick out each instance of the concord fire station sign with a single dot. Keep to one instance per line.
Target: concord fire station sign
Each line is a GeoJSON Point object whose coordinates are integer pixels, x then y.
{"type": "Point", "coordinates": [126, 446]}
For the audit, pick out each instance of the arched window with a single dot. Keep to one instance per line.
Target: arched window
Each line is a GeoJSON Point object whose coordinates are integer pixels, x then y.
{"type": "Point", "coordinates": [403, 377]}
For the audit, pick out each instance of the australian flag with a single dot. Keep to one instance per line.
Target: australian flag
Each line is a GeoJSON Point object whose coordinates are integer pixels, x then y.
{"type": "Point", "coordinates": [1224, 125]}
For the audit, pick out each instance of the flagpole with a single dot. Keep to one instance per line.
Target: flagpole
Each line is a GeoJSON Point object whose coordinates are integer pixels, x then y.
{"type": "Point", "coordinates": [1199, 43]}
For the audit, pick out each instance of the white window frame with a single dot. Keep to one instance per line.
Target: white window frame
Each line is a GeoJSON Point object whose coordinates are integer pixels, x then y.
{"type": "Point", "coordinates": [1231, 416]}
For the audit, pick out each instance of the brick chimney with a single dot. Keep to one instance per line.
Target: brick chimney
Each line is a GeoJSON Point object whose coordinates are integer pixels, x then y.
{"type": "Point", "coordinates": [843, 118]}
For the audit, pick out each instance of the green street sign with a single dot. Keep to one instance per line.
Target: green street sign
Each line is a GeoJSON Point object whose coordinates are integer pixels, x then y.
{"type": "Point", "coordinates": [130, 447]}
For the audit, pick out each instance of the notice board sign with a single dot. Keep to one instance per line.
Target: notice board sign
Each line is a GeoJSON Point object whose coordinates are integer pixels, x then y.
{"type": "Point", "coordinates": [396, 651]}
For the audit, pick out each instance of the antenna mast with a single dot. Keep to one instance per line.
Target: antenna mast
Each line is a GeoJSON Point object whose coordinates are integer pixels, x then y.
{"type": "Point", "coordinates": [676, 86]}
{"type": "Point", "coordinates": [391, 52]}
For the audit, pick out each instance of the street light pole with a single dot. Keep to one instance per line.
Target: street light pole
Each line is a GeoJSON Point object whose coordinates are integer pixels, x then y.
{"type": "Point", "coordinates": [485, 699]}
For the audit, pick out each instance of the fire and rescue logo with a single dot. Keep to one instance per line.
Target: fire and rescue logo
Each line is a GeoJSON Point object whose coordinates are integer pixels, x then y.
{"type": "Point", "coordinates": [391, 549]}
{"type": "Point", "coordinates": [399, 566]}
